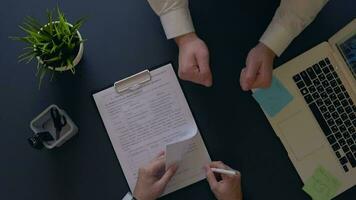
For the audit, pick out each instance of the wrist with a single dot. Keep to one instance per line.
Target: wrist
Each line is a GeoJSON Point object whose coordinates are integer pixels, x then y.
{"type": "Point", "coordinates": [141, 197]}
{"type": "Point", "coordinates": [268, 50]}
{"type": "Point", "coordinates": [186, 38]}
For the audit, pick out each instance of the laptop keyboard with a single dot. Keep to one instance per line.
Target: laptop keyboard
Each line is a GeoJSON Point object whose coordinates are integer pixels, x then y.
{"type": "Point", "coordinates": [332, 107]}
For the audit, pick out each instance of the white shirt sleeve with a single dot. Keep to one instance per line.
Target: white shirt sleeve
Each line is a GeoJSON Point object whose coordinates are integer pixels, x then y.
{"type": "Point", "coordinates": [128, 196]}
{"type": "Point", "coordinates": [174, 15]}
{"type": "Point", "coordinates": [291, 18]}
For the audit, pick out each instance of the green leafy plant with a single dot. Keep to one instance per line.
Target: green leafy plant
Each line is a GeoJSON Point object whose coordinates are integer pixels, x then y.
{"type": "Point", "coordinates": [54, 44]}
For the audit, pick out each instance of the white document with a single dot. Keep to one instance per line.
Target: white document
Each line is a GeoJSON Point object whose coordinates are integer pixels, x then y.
{"type": "Point", "coordinates": [176, 151]}
{"type": "Point", "coordinates": [152, 118]}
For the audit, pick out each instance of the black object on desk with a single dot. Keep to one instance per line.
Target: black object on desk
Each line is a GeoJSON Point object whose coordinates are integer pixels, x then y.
{"type": "Point", "coordinates": [36, 141]}
{"type": "Point", "coordinates": [59, 121]}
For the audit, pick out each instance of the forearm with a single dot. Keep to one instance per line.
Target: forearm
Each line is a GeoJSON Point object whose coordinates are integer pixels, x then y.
{"type": "Point", "coordinates": [174, 15]}
{"type": "Point", "coordinates": [291, 18]}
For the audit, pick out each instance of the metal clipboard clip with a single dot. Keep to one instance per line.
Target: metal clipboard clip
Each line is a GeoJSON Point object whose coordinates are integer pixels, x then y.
{"type": "Point", "coordinates": [133, 82]}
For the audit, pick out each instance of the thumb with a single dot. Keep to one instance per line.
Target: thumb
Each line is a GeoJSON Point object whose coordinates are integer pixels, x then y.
{"type": "Point", "coordinates": [242, 79]}
{"type": "Point", "coordinates": [167, 176]}
{"type": "Point", "coordinates": [250, 74]}
{"type": "Point", "coordinates": [264, 77]}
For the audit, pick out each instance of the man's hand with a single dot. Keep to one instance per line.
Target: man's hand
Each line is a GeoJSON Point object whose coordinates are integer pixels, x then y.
{"type": "Point", "coordinates": [153, 179]}
{"type": "Point", "coordinates": [258, 70]}
{"type": "Point", "coordinates": [225, 187]}
{"type": "Point", "coordinates": [194, 60]}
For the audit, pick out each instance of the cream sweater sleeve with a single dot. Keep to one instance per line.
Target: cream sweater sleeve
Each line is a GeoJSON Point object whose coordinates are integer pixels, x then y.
{"type": "Point", "coordinates": [175, 16]}
{"type": "Point", "coordinates": [290, 19]}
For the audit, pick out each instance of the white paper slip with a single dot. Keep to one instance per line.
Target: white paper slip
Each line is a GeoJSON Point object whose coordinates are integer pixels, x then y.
{"type": "Point", "coordinates": [154, 117]}
{"type": "Point", "coordinates": [176, 151]}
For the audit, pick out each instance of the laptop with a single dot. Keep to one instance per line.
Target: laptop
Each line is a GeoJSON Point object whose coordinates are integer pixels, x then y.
{"type": "Point", "coordinates": [318, 128]}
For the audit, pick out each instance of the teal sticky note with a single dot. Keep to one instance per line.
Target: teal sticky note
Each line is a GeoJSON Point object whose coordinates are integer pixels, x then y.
{"type": "Point", "coordinates": [273, 99]}
{"type": "Point", "coordinates": [322, 185]}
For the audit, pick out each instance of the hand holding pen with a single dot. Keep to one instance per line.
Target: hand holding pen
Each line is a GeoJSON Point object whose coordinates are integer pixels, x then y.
{"type": "Point", "coordinates": [224, 181]}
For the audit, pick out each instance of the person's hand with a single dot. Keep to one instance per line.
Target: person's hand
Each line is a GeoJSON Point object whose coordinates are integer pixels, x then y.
{"type": "Point", "coordinates": [194, 60]}
{"type": "Point", "coordinates": [153, 179]}
{"type": "Point", "coordinates": [259, 67]}
{"type": "Point", "coordinates": [224, 187]}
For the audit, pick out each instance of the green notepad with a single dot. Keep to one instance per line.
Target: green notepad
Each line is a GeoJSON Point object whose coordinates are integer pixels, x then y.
{"type": "Point", "coordinates": [273, 99]}
{"type": "Point", "coordinates": [322, 185]}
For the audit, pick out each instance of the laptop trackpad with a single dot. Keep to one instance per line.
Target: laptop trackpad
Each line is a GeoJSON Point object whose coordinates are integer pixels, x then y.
{"type": "Point", "coordinates": [302, 134]}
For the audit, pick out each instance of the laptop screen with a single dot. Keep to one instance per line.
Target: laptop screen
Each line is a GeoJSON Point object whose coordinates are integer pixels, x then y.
{"type": "Point", "coordinates": [347, 49]}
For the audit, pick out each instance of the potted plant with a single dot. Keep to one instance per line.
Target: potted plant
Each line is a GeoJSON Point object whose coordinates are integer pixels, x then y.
{"type": "Point", "coordinates": [57, 45]}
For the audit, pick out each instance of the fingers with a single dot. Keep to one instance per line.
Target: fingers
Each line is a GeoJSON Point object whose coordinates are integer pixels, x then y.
{"type": "Point", "coordinates": [249, 75]}
{"type": "Point", "coordinates": [211, 178]}
{"type": "Point", "coordinates": [264, 77]}
{"type": "Point", "coordinates": [198, 71]}
{"type": "Point", "coordinates": [167, 176]}
{"type": "Point", "coordinates": [188, 67]}
{"type": "Point", "coordinates": [258, 70]}
{"type": "Point", "coordinates": [157, 165]}
{"type": "Point", "coordinates": [262, 80]}
{"type": "Point", "coordinates": [205, 76]}
{"type": "Point", "coordinates": [247, 78]}
{"type": "Point", "coordinates": [245, 85]}
{"type": "Point", "coordinates": [242, 79]}
{"type": "Point", "coordinates": [219, 164]}
{"type": "Point", "coordinates": [194, 63]}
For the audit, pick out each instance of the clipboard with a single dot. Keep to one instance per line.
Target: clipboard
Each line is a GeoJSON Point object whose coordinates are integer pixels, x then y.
{"type": "Point", "coordinates": [134, 81]}
{"type": "Point", "coordinates": [106, 100]}
{"type": "Point", "coordinates": [129, 81]}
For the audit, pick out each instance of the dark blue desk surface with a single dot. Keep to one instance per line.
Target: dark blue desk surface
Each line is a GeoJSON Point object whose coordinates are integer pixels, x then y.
{"type": "Point", "coordinates": [125, 37]}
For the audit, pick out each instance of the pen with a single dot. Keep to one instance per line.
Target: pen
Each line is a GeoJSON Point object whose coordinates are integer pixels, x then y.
{"type": "Point", "coordinates": [223, 171]}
